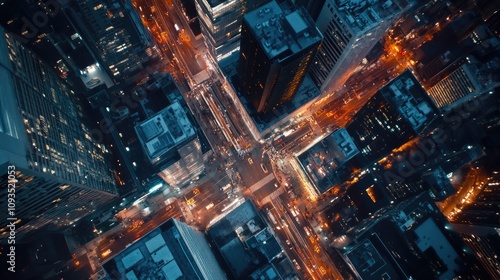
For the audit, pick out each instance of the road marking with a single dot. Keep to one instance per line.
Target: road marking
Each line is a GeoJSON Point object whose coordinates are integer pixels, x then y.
{"type": "Point", "coordinates": [262, 182]}
{"type": "Point", "coordinates": [272, 196]}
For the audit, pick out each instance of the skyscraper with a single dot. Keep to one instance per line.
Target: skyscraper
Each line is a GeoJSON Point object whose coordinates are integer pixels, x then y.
{"type": "Point", "coordinates": [221, 24]}
{"type": "Point", "coordinates": [100, 30]}
{"type": "Point", "coordinates": [277, 47]}
{"type": "Point", "coordinates": [411, 240]}
{"type": "Point", "coordinates": [350, 29]}
{"type": "Point", "coordinates": [469, 80]}
{"type": "Point", "coordinates": [481, 240]}
{"type": "Point", "coordinates": [172, 146]}
{"type": "Point", "coordinates": [52, 39]}
{"type": "Point", "coordinates": [313, 7]}
{"type": "Point", "coordinates": [243, 232]}
{"type": "Point", "coordinates": [77, 39]}
{"type": "Point", "coordinates": [60, 174]}
{"type": "Point", "coordinates": [483, 210]}
{"type": "Point", "coordinates": [398, 112]}
{"type": "Point", "coordinates": [173, 250]}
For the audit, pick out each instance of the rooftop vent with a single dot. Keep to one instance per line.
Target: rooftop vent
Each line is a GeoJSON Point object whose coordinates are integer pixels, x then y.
{"type": "Point", "coordinates": [258, 26]}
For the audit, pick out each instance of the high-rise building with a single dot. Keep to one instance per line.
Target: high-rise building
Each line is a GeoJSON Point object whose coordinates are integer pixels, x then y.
{"type": "Point", "coordinates": [323, 163]}
{"type": "Point", "coordinates": [482, 241]}
{"type": "Point", "coordinates": [171, 144]}
{"type": "Point", "coordinates": [411, 240]}
{"type": "Point", "coordinates": [313, 7]}
{"type": "Point", "coordinates": [469, 80]}
{"type": "Point", "coordinates": [61, 174]}
{"type": "Point", "coordinates": [50, 36]}
{"type": "Point", "coordinates": [450, 47]}
{"type": "Point", "coordinates": [350, 29]}
{"type": "Point", "coordinates": [398, 112]}
{"type": "Point", "coordinates": [243, 232]}
{"type": "Point", "coordinates": [92, 43]}
{"type": "Point", "coordinates": [139, 34]}
{"type": "Point", "coordinates": [173, 250]}
{"type": "Point", "coordinates": [483, 210]}
{"type": "Point", "coordinates": [277, 47]}
{"type": "Point", "coordinates": [99, 27]}
{"type": "Point", "coordinates": [221, 24]}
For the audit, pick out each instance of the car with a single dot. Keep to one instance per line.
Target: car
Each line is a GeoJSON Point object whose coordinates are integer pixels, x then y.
{"type": "Point", "coordinates": [190, 201]}
{"type": "Point", "coordinates": [306, 229]}
{"type": "Point", "coordinates": [264, 168]}
{"type": "Point", "coordinates": [288, 242]}
{"type": "Point", "coordinates": [106, 253]}
{"type": "Point", "coordinates": [209, 206]}
{"type": "Point", "coordinates": [169, 207]}
{"type": "Point", "coordinates": [297, 266]}
{"type": "Point", "coordinates": [250, 160]}
{"type": "Point", "coordinates": [317, 249]}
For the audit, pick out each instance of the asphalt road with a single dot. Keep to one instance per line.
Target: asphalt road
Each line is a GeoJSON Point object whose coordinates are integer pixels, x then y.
{"type": "Point", "coordinates": [117, 243]}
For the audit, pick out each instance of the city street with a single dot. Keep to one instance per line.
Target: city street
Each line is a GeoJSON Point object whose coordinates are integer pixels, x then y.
{"type": "Point", "coordinates": [241, 167]}
{"type": "Point", "coordinates": [118, 241]}
{"type": "Point", "coordinates": [338, 126]}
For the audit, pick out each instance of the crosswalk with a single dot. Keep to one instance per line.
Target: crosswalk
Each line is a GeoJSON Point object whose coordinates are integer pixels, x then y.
{"type": "Point", "coordinates": [272, 196]}
{"type": "Point", "coordinates": [262, 182]}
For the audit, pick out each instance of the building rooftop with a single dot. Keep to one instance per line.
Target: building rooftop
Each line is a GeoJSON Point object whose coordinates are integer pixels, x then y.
{"type": "Point", "coordinates": [364, 14]}
{"type": "Point", "coordinates": [411, 239]}
{"type": "Point", "coordinates": [265, 273]}
{"type": "Point", "coordinates": [431, 239]}
{"type": "Point", "coordinates": [164, 131]}
{"type": "Point", "coordinates": [159, 253]}
{"type": "Point", "coordinates": [322, 161]}
{"type": "Point", "coordinates": [368, 195]}
{"type": "Point", "coordinates": [369, 263]}
{"type": "Point", "coordinates": [266, 243]}
{"type": "Point", "coordinates": [215, 3]}
{"type": "Point", "coordinates": [245, 240]}
{"type": "Point", "coordinates": [411, 100]}
{"type": "Point", "coordinates": [281, 34]}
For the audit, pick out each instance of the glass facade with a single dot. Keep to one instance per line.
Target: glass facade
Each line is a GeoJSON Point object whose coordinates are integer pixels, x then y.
{"type": "Point", "coordinates": [277, 47]}
{"type": "Point", "coordinates": [350, 32]}
{"type": "Point", "coordinates": [101, 30]}
{"type": "Point", "coordinates": [456, 86]}
{"type": "Point", "coordinates": [221, 24]}
{"type": "Point", "coordinates": [47, 139]}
